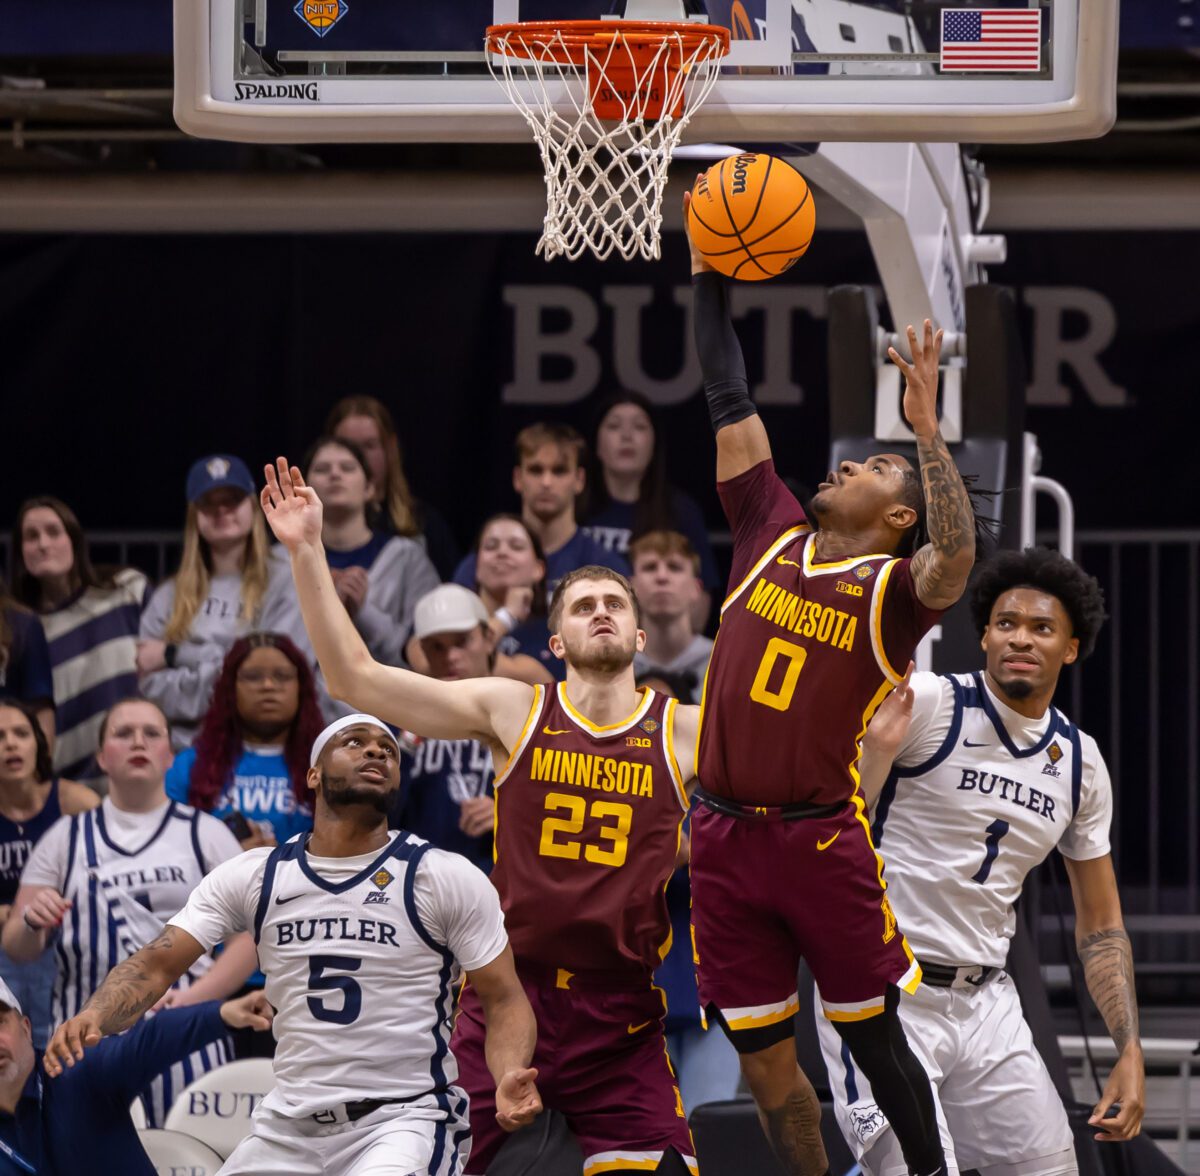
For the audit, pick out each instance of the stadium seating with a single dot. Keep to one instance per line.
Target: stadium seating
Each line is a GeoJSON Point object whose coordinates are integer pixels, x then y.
{"type": "Point", "coordinates": [217, 1107]}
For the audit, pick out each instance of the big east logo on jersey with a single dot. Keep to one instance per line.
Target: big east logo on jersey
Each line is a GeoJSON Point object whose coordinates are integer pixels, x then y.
{"type": "Point", "coordinates": [321, 15]}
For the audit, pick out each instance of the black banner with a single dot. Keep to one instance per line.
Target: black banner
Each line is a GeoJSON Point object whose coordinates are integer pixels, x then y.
{"type": "Point", "coordinates": [124, 358]}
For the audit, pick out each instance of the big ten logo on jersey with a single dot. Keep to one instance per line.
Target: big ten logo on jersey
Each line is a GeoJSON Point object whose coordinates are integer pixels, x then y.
{"type": "Point", "coordinates": [381, 880]}
{"type": "Point", "coordinates": [647, 725]}
{"type": "Point", "coordinates": [321, 15]}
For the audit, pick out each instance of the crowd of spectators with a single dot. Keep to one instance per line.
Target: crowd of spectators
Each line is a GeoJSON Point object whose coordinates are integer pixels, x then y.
{"type": "Point", "coordinates": [234, 697]}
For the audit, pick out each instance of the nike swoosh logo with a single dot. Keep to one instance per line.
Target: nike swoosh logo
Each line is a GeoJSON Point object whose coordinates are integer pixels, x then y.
{"type": "Point", "coordinates": [632, 1029]}
{"type": "Point", "coordinates": [827, 844]}
{"type": "Point", "coordinates": [968, 743]}
{"type": "Point", "coordinates": [564, 731]}
{"type": "Point", "coordinates": [280, 901]}
{"type": "Point", "coordinates": [790, 563]}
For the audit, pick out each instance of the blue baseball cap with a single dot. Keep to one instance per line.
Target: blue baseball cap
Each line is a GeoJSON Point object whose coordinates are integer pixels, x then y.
{"type": "Point", "coordinates": [211, 473]}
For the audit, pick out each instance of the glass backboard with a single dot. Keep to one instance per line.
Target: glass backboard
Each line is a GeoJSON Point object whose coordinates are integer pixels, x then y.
{"type": "Point", "coordinates": [798, 70]}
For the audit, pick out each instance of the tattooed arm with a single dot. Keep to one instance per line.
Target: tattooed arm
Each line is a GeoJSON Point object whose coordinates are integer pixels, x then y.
{"type": "Point", "coordinates": [940, 569]}
{"type": "Point", "coordinates": [131, 988]}
{"type": "Point", "coordinates": [1107, 960]}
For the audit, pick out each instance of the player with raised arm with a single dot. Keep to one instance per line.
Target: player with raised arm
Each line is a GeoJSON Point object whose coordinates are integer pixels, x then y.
{"type": "Point", "coordinates": [590, 800]}
{"type": "Point", "coordinates": [975, 778]}
{"type": "Point", "coordinates": [815, 624]}
{"type": "Point", "coordinates": [360, 932]}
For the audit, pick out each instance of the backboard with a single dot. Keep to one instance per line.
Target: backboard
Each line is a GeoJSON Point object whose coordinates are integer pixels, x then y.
{"type": "Point", "coordinates": [798, 70]}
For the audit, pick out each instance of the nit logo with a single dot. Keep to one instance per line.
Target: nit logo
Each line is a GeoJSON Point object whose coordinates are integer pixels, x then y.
{"type": "Point", "coordinates": [321, 15]}
{"type": "Point", "coordinates": [649, 725]}
{"type": "Point", "coordinates": [864, 571]}
{"type": "Point", "coordinates": [382, 878]}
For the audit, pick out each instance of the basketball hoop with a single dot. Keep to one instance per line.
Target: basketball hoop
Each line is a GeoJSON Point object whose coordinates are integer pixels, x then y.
{"type": "Point", "coordinates": [607, 102]}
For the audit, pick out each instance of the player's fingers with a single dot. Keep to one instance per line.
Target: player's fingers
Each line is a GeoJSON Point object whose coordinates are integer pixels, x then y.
{"type": "Point", "coordinates": [899, 361]}
{"type": "Point", "coordinates": [284, 475]}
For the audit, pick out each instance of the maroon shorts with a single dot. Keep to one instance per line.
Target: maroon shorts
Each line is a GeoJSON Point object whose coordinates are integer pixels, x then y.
{"type": "Point", "coordinates": [602, 1064]}
{"type": "Point", "coordinates": [765, 894]}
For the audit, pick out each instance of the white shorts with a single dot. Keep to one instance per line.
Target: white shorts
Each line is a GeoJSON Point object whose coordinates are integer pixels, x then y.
{"type": "Point", "coordinates": [419, 1138]}
{"type": "Point", "coordinates": [997, 1107]}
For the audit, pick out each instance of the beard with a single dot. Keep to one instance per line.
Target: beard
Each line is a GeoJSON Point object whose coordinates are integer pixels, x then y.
{"type": "Point", "coordinates": [340, 792]}
{"type": "Point", "coordinates": [1017, 689]}
{"type": "Point", "coordinates": [607, 658]}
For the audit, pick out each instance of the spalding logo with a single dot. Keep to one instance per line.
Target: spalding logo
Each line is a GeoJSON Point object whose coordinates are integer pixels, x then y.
{"type": "Point", "coordinates": [321, 15]}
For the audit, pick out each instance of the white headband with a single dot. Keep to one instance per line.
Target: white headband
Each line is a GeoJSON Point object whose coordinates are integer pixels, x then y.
{"type": "Point", "coordinates": [340, 725]}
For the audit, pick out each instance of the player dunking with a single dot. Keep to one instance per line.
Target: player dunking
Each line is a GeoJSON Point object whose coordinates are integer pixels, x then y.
{"type": "Point", "coordinates": [590, 801]}
{"type": "Point", "coordinates": [978, 778]}
{"type": "Point", "coordinates": [815, 624]}
{"type": "Point", "coordinates": [359, 931]}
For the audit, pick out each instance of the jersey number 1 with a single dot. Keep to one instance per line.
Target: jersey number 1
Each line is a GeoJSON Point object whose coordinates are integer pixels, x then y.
{"type": "Point", "coordinates": [991, 847]}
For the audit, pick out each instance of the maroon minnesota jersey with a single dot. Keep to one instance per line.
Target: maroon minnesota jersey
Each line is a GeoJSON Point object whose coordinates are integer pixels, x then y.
{"type": "Point", "coordinates": [805, 654]}
{"type": "Point", "coordinates": [587, 828]}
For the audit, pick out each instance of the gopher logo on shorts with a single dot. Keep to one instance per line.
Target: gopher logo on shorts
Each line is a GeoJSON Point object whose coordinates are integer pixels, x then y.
{"type": "Point", "coordinates": [889, 920]}
{"type": "Point", "coordinates": [321, 15]}
{"type": "Point", "coordinates": [866, 1121]}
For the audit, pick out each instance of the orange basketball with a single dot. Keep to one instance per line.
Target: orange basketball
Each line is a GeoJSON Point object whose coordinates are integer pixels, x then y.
{"type": "Point", "coordinates": [751, 216]}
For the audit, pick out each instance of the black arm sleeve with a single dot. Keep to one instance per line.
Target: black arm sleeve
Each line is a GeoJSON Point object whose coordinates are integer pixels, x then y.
{"type": "Point", "coordinates": [725, 385]}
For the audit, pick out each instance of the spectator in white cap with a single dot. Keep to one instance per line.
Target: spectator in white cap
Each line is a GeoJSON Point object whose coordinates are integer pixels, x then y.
{"type": "Point", "coordinates": [447, 783]}
{"type": "Point", "coordinates": [214, 598]}
{"type": "Point", "coordinates": [361, 933]}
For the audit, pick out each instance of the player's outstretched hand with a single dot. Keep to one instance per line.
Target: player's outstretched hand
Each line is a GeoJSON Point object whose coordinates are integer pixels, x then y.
{"type": "Point", "coordinates": [252, 1011]}
{"type": "Point", "coordinates": [292, 507]}
{"type": "Point", "coordinates": [890, 723]}
{"type": "Point", "coordinates": [1125, 1091]}
{"type": "Point", "coordinates": [699, 265]}
{"type": "Point", "coordinates": [517, 1100]}
{"type": "Point", "coordinates": [70, 1039]}
{"type": "Point", "coordinates": [920, 378]}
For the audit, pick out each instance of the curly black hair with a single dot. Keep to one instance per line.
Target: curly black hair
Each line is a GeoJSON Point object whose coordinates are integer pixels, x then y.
{"type": "Point", "coordinates": [1049, 572]}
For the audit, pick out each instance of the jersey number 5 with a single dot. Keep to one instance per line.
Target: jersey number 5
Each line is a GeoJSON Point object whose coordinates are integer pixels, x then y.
{"type": "Point", "coordinates": [781, 698]}
{"type": "Point", "coordinates": [571, 826]}
{"type": "Point", "coordinates": [351, 1004]}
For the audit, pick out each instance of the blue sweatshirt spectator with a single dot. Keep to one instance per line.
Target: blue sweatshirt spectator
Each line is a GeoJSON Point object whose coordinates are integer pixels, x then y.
{"type": "Point", "coordinates": [25, 661]}
{"type": "Point", "coordinates": [53, 1124]}
{"type": "Point", "coordinates": [249, 763]}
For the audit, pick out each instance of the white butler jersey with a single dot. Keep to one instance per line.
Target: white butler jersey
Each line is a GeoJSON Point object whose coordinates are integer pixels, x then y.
{"type": "Point", "coordinates": [978, 796]}
{"type": "Point", "coordinates": [360, 955]}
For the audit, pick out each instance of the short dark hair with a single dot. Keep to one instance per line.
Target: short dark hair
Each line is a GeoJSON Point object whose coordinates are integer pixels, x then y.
{"type": "Point", "coordinates": [590, 572]}
{"type": "Point", "coordinates": [128, 701]}
{"type": "Point", "coordinates": [1050, 572]}
{"type": "Point", "coordinates": [43, 764]}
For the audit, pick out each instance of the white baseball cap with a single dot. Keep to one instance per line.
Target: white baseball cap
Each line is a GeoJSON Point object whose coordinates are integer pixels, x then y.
{"type": "Point", "coordinates": [7, 998]}
{"type": "Point", "coordinates": [448, 609]}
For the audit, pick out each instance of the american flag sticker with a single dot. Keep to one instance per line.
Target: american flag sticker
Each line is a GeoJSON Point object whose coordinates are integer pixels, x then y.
{"type": "Point", "coordinates": [991, 40]}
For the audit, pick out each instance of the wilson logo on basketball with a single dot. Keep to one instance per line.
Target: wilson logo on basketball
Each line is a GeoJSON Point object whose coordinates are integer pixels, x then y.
{"type": "Point", "coordinates": [740, 166]}
{"type": "Point", "coordinates": [321, 15]}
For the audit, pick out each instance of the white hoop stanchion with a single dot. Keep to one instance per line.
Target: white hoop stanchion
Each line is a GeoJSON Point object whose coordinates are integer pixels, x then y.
{"type": "Point", "coordinates": [607, 102]}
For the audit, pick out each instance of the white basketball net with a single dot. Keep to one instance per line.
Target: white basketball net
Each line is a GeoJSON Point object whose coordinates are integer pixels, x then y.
{"type": "Point", "coordinates": [604, 177]}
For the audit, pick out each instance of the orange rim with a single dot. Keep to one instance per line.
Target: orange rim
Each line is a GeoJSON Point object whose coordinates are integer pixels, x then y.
{"type": "Point", "coordinates": [578, 36]}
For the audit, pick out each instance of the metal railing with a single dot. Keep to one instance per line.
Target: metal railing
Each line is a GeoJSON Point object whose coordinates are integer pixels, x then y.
{"type": "Point", "coordinates": [154, 552]}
